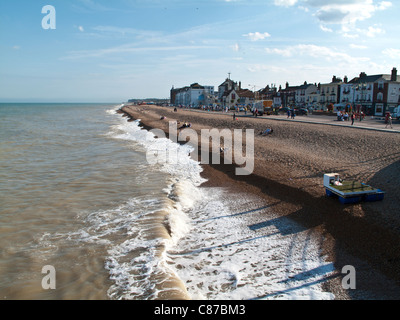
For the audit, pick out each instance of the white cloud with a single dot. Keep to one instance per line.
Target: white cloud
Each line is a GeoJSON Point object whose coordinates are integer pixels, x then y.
{"type": "Point", "coordinates": [127, 49]}
{"type": "Point", "coordinates": [285, 3]}
{"type": "Point", "coordinates": [350, 35]}
{"type": "Point", "coordinates": [235, 47]}
{"type": "Point", "coordinates": [357, 46]}
{"type": "Point", "coordinates": [304, 8]}
{"type": "Point", "coordinates": [81, 29]}
{"type": "Point", "coordinates": [372, 32]}
{"type": "Point", "coordinates": [325, 29]}
{"type": "Point", "coordinates": [255, 36]}
{"type": "Point", "coordinates": [318, 52]}
{"type": "Point", "coordinates": [282, 52]}
{"type": "Point", "coordinates": [341, 12]}
{"type": "Point", "coordinates": [384, 5]}
{"type": "Point", "coordinates": [118, 31]}
{"type": "Point", "coordinates": [392, 53]}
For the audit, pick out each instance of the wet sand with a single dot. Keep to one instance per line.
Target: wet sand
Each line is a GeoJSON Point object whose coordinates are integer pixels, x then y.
{"type": "Point", "coordinates": [289, 168]}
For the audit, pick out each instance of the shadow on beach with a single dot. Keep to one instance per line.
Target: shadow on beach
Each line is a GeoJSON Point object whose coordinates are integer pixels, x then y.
{"type": "Point", "coordinates": [357, 241]}
{"type": "Point", "coordinates": [350, 235]}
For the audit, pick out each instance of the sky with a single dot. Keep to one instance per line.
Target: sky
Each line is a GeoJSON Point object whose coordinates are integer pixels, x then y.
{"type": "Point", "coordinates": [112, 51]}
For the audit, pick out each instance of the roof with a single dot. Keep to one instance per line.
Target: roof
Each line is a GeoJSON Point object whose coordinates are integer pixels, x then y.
{"type": "Point", "coordinates": [367, 78]}
{"type": "Point", "coordinates": [196, 86]}
{"type": "Point", "coordinates": [245, 93]}
{"type": "Point", "coordinates": [373, 78]}
{"type": "Point", "coordinates": [305, 86]}
{"type": "Point", "coordinates": [289, 88]}
{"type": "Point", "coordinates": [226, 81]}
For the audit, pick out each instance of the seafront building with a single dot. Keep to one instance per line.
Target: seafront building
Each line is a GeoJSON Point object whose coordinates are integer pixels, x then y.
{"type": "Point", "coordinates": [329, 93]}
{"type": "Point", "coordinates": [373, 95]}
{"type": "Point", "coordinates": [193, 96]}
{"type": "Point", "coordinates": [303, 94]}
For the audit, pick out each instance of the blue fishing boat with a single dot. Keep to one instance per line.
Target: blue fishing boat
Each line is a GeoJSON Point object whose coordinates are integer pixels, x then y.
{"type": "Point", "coordinates": [349, 191]}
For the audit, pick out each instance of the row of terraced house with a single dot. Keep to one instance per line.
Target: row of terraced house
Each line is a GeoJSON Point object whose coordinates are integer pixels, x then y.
{"type": "Point", "coordinates": [371, 94]}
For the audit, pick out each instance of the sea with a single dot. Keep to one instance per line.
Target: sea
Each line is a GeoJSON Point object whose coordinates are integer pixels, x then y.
{"type": "Point", "coordinates": [84, 215]}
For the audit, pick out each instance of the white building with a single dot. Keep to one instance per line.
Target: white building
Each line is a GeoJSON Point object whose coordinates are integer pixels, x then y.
{"type": "Point", "coordinates": [330, 93]}
{"type": "Point", "coordinates": [193, 96]}
{"type": "Point", "coordinates": [393, 98]}
{"type": "Point", "coordinates": [303, 94]}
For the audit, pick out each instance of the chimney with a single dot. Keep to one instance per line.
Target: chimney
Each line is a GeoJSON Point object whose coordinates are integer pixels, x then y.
{"type": "Point", "coordinates": [363, 75]}
{"type": "Point", "coordinates": [394, 75]}
{"type": "Point", "coordinates": [334, 79]}
{"type": "Point", "coordinates": [240, 84]}
{"type": "Point", "coordinates": [346, 79]}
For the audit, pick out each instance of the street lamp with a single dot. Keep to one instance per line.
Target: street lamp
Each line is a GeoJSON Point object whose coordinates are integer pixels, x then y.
{"type": "Point", "coordinates": [255, 93]}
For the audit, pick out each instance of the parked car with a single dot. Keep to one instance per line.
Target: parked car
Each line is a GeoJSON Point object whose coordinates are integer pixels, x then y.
{"type": "Point", "coordinates": [301, 112]}
{"type": "Point", "coordinates": [269, 111]}
{"type": "Point", "coordinates": [396, 113]}
{"type": "Point", "coordinates": [284, 110]}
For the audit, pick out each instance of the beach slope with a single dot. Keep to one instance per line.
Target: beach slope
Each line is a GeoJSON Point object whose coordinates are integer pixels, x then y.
{"type": "Point", "coordinates": [288, 170]}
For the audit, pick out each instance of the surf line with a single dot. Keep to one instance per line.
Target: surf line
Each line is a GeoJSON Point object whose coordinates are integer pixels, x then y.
{"type": "Point", "coordinates": [232, 147]}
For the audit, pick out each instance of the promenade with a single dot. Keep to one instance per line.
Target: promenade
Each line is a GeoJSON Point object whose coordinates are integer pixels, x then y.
{"type": "Point", "coordinates": [368, 123]}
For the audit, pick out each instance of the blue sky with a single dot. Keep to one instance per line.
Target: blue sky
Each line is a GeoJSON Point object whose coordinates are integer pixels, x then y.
{"type": "Point", "coordinates": [110, 51]}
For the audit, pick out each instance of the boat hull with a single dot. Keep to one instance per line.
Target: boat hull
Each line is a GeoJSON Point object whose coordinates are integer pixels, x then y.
{"type": "Point", "coordinates": [366, 197]}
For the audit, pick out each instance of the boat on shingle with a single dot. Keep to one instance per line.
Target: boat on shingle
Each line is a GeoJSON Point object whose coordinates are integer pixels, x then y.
{"type": "Point", "coordinates": [349, 191]}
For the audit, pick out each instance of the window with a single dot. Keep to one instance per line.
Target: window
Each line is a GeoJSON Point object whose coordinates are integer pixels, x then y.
{"type": "Point", "coordinates": [380, 97]}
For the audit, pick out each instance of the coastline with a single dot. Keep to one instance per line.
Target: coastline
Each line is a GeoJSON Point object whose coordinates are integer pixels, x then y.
{"type": "Point", "coordinates": [288, 171]}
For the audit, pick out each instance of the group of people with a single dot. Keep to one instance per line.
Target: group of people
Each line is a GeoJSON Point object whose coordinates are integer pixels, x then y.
{"type": "Point", "coordinates": [185, 125]}
{"type": "Point", "coordinates": [291, 113]}
{"type": "Point", "coordinates": [344, 116]}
